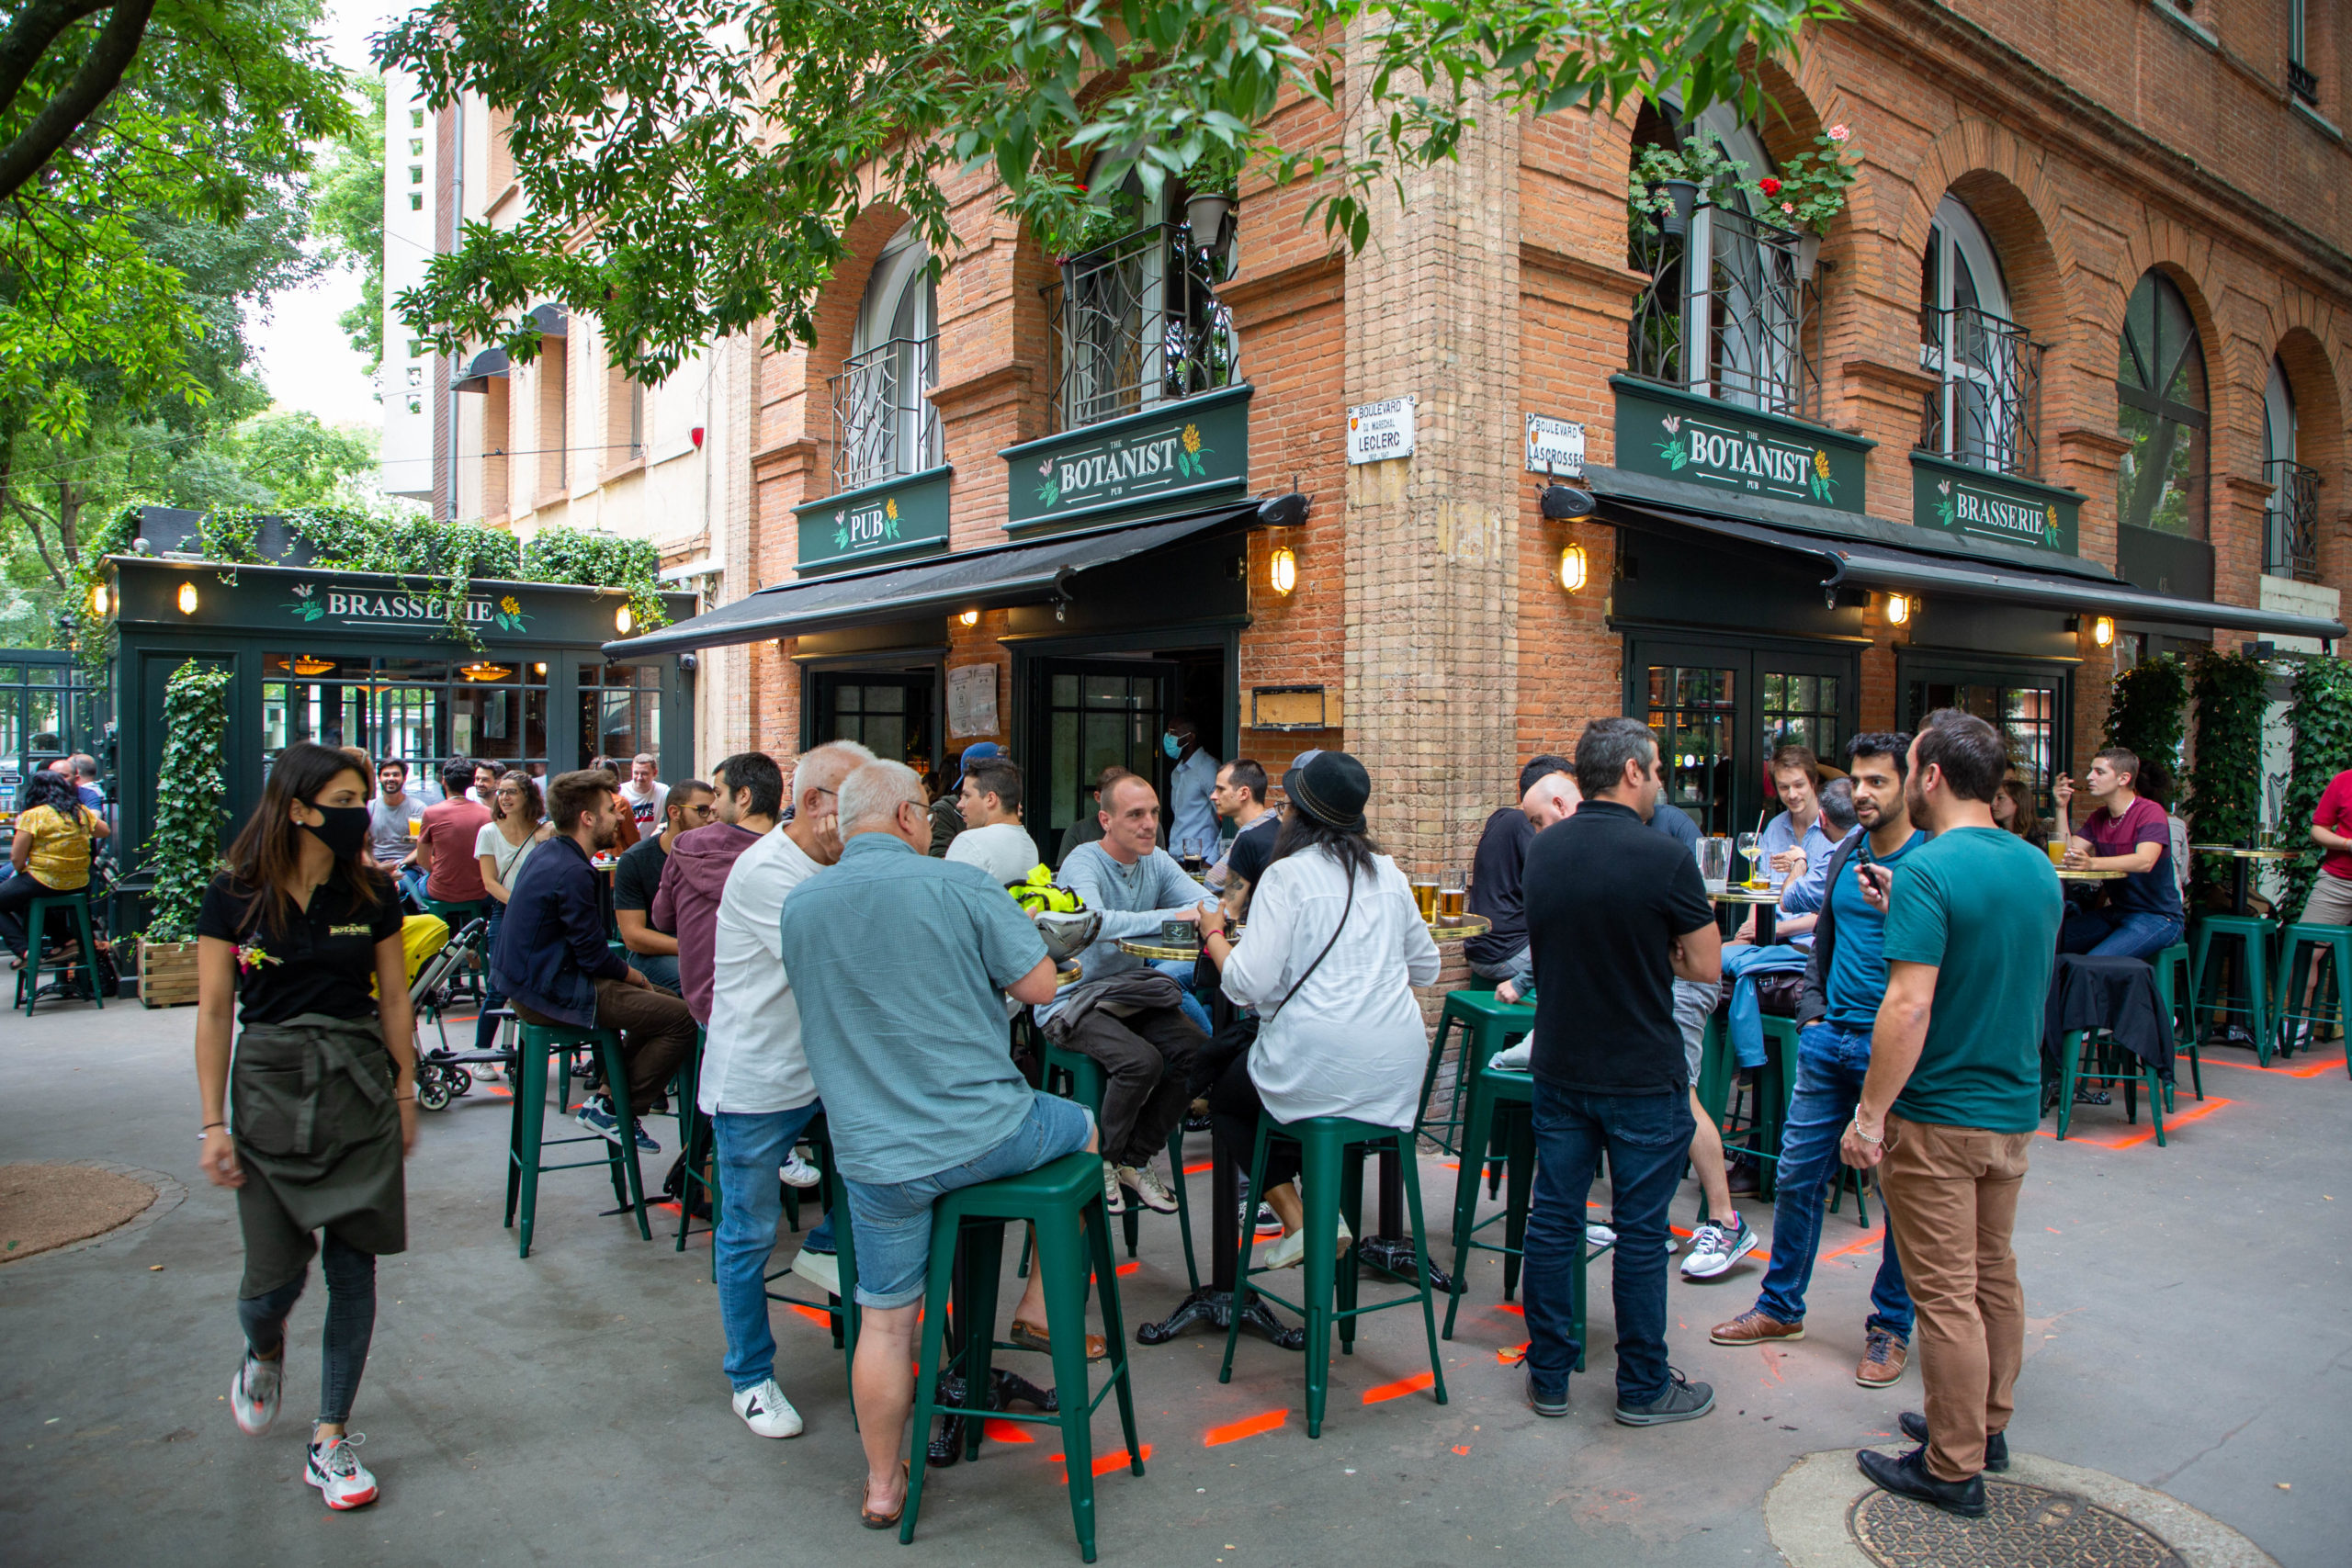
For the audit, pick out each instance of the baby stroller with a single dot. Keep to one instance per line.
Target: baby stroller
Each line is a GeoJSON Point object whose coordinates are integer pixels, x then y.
{"type": "Point", "coordinates": [443, 1074]}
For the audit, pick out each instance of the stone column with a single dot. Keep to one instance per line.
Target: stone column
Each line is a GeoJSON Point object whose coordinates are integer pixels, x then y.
{"type": "Point", "coordinates": [1433, 589]}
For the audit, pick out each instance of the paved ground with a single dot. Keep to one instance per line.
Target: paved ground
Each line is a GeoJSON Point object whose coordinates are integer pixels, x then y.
{"type": "Point", "coordinates": [2191, 1331]}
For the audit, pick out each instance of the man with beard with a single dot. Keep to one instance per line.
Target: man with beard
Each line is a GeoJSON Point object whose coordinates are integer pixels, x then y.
{"type": "Point", "coordinates": [552, 961]}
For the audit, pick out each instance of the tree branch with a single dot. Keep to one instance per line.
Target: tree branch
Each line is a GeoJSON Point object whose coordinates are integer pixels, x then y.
{"type": "Point", "coordinates": [109, 57]}
{"type": "Point", "coordinates": [37, 27]}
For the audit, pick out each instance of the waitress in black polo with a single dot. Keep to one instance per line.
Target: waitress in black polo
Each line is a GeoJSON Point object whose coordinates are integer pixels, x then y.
{"type": "Point", "coordinates": [311, 1119]}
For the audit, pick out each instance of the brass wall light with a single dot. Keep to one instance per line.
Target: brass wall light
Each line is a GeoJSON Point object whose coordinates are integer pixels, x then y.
{"type": "Point", "coordinates": [188, 599]}
{"type": "Point", "coordinates": [969, 618]}
{"type": "Point", "coordinates": [623, 620]}
{"type": "Point", "coordinates": [2103, 631]}
{"type": "Point", "coordinates": [1282, 568]}
{"type": "Point", "coordinates": [1898, 609]}
{"type": "Point", "coordinates": [1572, 568]}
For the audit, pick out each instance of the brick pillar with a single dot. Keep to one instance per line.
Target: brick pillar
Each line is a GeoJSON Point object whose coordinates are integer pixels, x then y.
{"type": "Point", "coordinates": [1432, 542]}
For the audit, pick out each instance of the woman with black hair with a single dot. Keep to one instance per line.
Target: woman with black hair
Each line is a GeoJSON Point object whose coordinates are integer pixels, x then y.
{"type": "Point", "coordinates": [1334, 947]}
{"type": "Point", "coordinates": [321, 1087]}
{"type": "Point", "coordinates": [56, 838]}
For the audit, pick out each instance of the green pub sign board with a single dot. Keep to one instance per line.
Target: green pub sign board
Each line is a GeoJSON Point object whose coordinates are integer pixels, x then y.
{"type": "Point", "coordinates": [903, 516]}
{"type": "Point", "coordinates": [1675, 434]}
{"type": "Point", "coordinates": [1969, 502]}
{"type": "Point", "coordinates": [1169, 453]}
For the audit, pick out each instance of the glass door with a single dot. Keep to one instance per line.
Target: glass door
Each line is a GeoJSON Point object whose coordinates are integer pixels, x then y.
{"type": "Point", "coordinates": [888, 714]}
{"type": "Point", "coordinates": [2031, 704]}
{"type": "Point", "coordinates": [1087, 715]}
{"type": "Point", "coordinates": [1720, 709]}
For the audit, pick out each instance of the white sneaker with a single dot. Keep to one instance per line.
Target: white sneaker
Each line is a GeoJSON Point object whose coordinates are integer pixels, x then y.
{"type": "Point", "coordinates": [820, 1268]}
{"type": "Point", "coordinates": [1598, 1235]}
{"type": "Point", "coordinates": [1114, 1197]}
{"type": "Point", "coordinates": [1289, 1252]}
{"type": "Point", "coordinates": [1715, 1248]}
{"type": "Point", "coordinates": [1514, 1058]}
{"type": "Point", "coordinates": [765, 1411]}
{"type": "Point", "coordinates": [1148, 1187]}
{"type": "Point", "coordinates": [253, 1394]}
{"type": "Point", "coordinates": [797, 1172]}
{"type": "Point", "coordinates": [336, 1472]}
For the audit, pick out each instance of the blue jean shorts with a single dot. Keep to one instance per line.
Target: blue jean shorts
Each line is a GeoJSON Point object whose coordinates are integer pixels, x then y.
{"type": "Point", "coordinates": [892, 1218]}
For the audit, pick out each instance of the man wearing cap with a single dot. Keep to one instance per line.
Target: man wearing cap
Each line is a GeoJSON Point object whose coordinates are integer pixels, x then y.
{"type": "Point", "coordinates": [946, 813]}
{"type": "Point", "coordinates": [1501, 953]}
{"type": "Point", "coordinates": [1192, 814]}
{"type": "Point", "coordinates": [993, 838]}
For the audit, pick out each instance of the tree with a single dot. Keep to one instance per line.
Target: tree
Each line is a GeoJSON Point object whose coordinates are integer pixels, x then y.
{"type": "Point", "coordinates": [301, 462]}
{"type": "Point", "coordinates": [348, 196]}
{"type": "Point", "coordinates": [690, 168]}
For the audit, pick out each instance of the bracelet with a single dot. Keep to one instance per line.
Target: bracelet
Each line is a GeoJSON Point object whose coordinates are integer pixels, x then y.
{"type": "Point", "coordinates": [1856, 1123]}
{"type": "Point", "coordinates": [209, 1127]}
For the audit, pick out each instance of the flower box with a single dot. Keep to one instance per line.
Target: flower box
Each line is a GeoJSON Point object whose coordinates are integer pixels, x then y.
{"type": "Point", "coordinates": [167, 974]}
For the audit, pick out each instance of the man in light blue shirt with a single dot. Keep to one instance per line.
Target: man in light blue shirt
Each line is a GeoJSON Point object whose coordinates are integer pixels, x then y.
{"type": "Point", "coordinates": [1192, 814]}
{"type": "Point", "coordinates": [1802, 895]}
{"type": "Point", "coordinates": [1796, 777]}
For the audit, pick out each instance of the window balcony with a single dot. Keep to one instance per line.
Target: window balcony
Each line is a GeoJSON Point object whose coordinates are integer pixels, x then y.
{"type": "Point", "coordinates": [1731, 312]}
{"type": "Point", "coordinates": [2301, 83]}
{"type": "Point", "coordinates": [1986, 409]}
{"type": "Point", "coordinates": [2290, 533]}
{"type": "Point", "coordinates": [883, 425]}
{"type": "Point", "coordinates": [1136, 323]}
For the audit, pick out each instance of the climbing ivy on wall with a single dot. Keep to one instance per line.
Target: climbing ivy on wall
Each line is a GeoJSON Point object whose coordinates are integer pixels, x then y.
{"type": "Point", "coordinates": [191, 797]}
{"type": "Point", "coordinates": [2321, 720]}
{"type": "Point", "coordinates": [2226, 782]}
{"type": "Point", "coordinates": [2148, 713]}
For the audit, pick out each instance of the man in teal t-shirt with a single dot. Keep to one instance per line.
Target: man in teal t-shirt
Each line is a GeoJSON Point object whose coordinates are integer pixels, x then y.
{"type": "Point", "coordinates": [1952, 1097]}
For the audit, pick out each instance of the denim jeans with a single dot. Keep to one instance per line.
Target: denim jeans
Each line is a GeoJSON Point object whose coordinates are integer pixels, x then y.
{"type": "Point", "coordinates": [1830, 1066]}
{"type": "Point", "coordinates": [2106, 933]}
{"type": "Point", "coordinates": [1180, 971]}
{"type": "Point", "coordinates": [750, 1150]}
{"type": "Point", "coordinates": [661, 968]}
{"type": "Point", "coordinates": [412, 883]}
{"type": "Point", "coordinates": [350, 1328]}
{"type": "Point", "coordinates": [1648, 1138]}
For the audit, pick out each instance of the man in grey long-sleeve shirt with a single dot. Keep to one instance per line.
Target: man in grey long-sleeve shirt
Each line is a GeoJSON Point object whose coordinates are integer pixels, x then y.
{"type": "Point", "coordinates": [1146, 1056]}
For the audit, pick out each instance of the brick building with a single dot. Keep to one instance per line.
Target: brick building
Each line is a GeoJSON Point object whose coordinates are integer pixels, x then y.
{"type": "Point", "coordinates": [2060, 386]}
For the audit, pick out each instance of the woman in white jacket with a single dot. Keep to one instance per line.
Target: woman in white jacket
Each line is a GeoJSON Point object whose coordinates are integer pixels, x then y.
{"type": "Point", "coordinates": [1335, 944]}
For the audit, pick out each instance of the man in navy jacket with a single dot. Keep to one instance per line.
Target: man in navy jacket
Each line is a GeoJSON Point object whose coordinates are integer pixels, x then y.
{"type": "Point", "coordinates": [557, 967]}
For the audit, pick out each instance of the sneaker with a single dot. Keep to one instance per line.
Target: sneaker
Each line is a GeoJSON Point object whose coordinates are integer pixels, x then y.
{"type": "Point", "coordinates": [1268, 1223]}
{"type": "Point", "coordinates": [595, 1113]}
{"type": "Point", "coordinates": [1544, 1404]}
{"type": "Point", "coordinates": [1144, 1182]}
{"type": "Point", "coordinates": [1743, 1178]}
{"type": "Point", "coordinates": [1715, 1246]}
{"type": "Point", "coordinates": [1997, 1444]}
{"type": "Point", "coordinates": [645, 1144]}
{"type": "Point", "coordinates": [1884, 1358]}
{"type": "Point", "coordinates": [1599, 1235]}
{"type": "Point", "coordinates": [820, 1268]}
{"type": "Point", "coordinates": [797, 1171]}
{"type": "Point", "coordinates": [1289, 1252]}
{"type": "Point", "coordinates": [1908, 1477]}
{"type": "Point", "coordinates": [336, 1472]}
{"type": "Point", "coordinates": [1682, 1401]}
{"type": "Point", "coordinates": [1114, 1197]}
{"type": "Point", "coordinates": [766, 1412]}
{"type": "Point", "coordinates": [1756, 1326]}
{"type": "Point", "coordinates": [253, 1394]}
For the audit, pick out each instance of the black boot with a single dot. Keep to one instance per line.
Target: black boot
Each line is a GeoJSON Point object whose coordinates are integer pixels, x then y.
{"type": "Point", "coordinates": [1997, 1444]}
{"type": "Point", "coordinates": [1908, 1477]}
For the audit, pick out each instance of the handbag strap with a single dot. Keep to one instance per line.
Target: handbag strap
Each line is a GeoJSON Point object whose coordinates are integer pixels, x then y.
{"type": "Point", "coordinates": [1344, 912]}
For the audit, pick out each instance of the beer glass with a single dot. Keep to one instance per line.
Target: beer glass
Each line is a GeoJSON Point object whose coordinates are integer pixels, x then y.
{"type": "Point", "coordinates": [2057, 852]}
{"type": "Point", "coordinates": [1715, 864]}
{"type": "Point", "coordinates": [1425, 896]}
{"type": "Point", "coordinates": [1453, 891]}
{"type": "Point", "coordinates": [1192, 857]}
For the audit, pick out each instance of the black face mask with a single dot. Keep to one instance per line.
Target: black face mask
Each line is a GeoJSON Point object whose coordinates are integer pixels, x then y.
{"type": "Point", "coordinates": [344, 833]}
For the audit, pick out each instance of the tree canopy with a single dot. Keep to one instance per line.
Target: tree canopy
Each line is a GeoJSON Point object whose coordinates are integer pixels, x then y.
{"type": "Point", "coordinates": [691, 166]}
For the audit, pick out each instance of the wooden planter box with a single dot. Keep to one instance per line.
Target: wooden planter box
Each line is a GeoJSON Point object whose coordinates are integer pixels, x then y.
{"type": "Point", "coordinates": [167, 974]}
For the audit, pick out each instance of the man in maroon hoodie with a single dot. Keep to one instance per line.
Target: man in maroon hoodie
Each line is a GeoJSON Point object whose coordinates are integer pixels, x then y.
{"type": "Point", "coordinates": [749, 797]}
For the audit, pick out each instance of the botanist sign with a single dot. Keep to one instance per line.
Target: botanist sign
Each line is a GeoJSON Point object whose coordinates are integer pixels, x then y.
{"type": "Point", "coordinates": [891, 521]}
{"type": "Point", "coordinates": [1167, 454]}
{"type": "Point", "coordinates": [1674, 435]}
{"type": "Point", "coordinates": [1957, 499]}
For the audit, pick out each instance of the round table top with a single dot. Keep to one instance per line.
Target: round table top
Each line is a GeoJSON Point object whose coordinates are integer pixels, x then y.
{"type": "Point", "coordinates": [1065, 979]}
{"type": "Point", "coordinates": [1739, 894]}
{"type": "Point", "coordinates": [1461, 928]}
{"type": "Point", "coordinates": [2236, 852]}
{"type": "Point", "coordinates": [1146, 947]}
{"type": "Point", "coordinates": [2067, 875]}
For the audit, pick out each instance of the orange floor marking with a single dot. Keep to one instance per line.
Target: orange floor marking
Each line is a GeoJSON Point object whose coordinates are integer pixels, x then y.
{"type": "Point", "coordinates": [1462, 1448]}
{"type": "Point", "coordinates": [1400, 1388]}
{"type": "Point", "coordinates": [1512, 1307]}
{"type": "Point", "coordinates": [1853, 1246]}
{"type": "Point", "coordinates": [1107, 1463]}
{"type": "Point", "coordinates": [1196, 1169]}
{"type": "Point", "coordinates": [1510, 1355]}
{"type": "Point", "coordinates": [822, 1319]}
{"type": "Point", "coordinates": [997, 1431]}
{"type": "Point", "coordinates": [1131, 1265]}
{"type": "Point", "coordinates": [2307, 1070]}
{"type": "Point", "coordinates": [1247, 1426]}
{"type": "Point", "coordinates": [2129, 1136]}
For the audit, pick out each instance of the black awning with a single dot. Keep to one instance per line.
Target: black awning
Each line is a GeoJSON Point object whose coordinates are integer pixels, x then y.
{"type": "Point", "coordinates": [1029, 572]}
{"type": "Point", "coordinates": [2078, 587]}
{"type": "Point", "coordinates": [552, 320]}
{"type": "Point", "coordinates": [476, 376]}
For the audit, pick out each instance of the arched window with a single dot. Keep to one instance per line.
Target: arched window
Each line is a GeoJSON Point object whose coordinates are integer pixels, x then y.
{"type": "Point", "coordinates": [2160, 388]}
{"type": "Point", "coordinates": [2290, 532]}
{"type": "Point", "coordinates": [1983, 410]}
{"type": "Point", "coordinates": [883, 425]}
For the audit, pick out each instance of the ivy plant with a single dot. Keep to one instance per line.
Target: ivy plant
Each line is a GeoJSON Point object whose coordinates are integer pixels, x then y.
{"type": "Point", "coordinates": [2321, 724]}
{"type": "Point", "coordinates": [2147, 711]}
{"type": "Point", "coordinates": [2225, 781]}
{"type": "Point", "coordinates": [191, 797]}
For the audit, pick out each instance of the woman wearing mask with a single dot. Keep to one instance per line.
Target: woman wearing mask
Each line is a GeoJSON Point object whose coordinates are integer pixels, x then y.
{"type": "Point", "coordinates": [310, 1119]}
{"type": "Point", "coordinates": [1334, 946]}
{"type": "Point", "coordinates": [518, 821]}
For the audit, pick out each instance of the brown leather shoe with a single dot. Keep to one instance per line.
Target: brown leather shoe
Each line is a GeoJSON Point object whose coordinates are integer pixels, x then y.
{"type": "Point", "coordinates": [1755, 1326]}
{"type": "Point", "coordinates": [1029, 1337]}
{"type": "Point", "coordinates": [1884, 1358]}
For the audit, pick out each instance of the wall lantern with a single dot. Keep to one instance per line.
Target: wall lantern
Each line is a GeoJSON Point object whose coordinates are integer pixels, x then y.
{"type": "Point", "coordinates": [1898, 609]}
{"type": "Point", "coordinates": [538, 669]}
{"type": "Point", "coordinates": [969, 618]}
{"type": "Point", "coordinates": [2103, 631]}
{"type": "Point", "coordinates": [1572, 568]}
{"type": "Point", "coordinates": [623, 620]}
{"type": "Point", "coordinates": [188, 598]}
{"type": "Point", "coordinates": [98, 599]}
{"type": "Point", "coordinates": [1282, 569]}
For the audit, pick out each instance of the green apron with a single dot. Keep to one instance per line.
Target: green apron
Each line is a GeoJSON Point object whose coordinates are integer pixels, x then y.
{"type": "Point", "coordinates": [317, 1134]}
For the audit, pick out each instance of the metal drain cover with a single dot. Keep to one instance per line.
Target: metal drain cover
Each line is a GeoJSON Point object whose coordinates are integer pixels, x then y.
{"type": "Point", "coordinates": [2026, 1527]}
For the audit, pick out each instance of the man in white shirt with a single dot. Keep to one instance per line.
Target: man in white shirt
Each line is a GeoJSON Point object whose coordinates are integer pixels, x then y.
{"type": "Point", "coordinates": [1191, 814]}
{"type": "Point", "coordinates": [755, 1085]}
{"type": "Point", "coordinates": [645, 795]}
{"type": "Point", "coordinates": [993, 838]}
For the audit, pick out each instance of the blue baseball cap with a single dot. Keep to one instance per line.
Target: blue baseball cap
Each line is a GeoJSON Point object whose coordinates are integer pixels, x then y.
{"type": "Point", "coordinates": [979, 752]}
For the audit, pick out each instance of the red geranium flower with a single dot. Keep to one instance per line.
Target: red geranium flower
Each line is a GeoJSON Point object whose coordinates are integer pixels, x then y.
{"type": "Point", "coordinates": [1769, 185]}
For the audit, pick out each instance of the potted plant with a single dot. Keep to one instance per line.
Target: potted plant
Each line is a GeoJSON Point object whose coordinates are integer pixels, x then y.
{"type": "Point", "coordinates": [1668, 183]}
{"type": "Point", "coordinates": [1810, 192]}
{"type": "Point", "coordinates": [185, 852]}
{"type": "Point", "coordinates": [1215, 185]}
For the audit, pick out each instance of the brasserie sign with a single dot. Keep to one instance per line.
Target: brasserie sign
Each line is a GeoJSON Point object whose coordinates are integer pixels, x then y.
{"type": "Point", "coordinates": [1674, 435]}
{"type": "Point", "coordinates": [354, 606]}
{"type": "Point", "coordinates": [1956, 499]}
{"type": "Point", "coordinates": [1162, 454]}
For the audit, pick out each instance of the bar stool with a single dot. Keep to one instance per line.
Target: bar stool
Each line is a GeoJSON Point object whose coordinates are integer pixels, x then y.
{"type": "Point", "coordinates": [841, 1310]}
{"type": "Point", "coordinates": [2252, 934]}
{"type": "Point", "coordinates": [527, 1137]}
{"type": "Point", "coordinates": [1063, 1200]}
{"type": "Point", "coordinates": [73, 907]}
{"type": "Point", "coordinates": [1078, 1076]}
{"type": "Point", "coordinates": [697, 1144]}
{"type": "Point", "coordinates": [2115, 1064]}
{"type": "Point", "coordinates": [2175, 979]}
{"type": "Point", "coordinates": [2301, 943]}
{"type": "Point", "coordinates": [1332, 1151]}
{"type": "Point", "coordinates": [1488, 1024]}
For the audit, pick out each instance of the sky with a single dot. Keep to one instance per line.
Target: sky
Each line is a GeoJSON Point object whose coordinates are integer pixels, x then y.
{"type": "Point", "coordinates": [306, 360]}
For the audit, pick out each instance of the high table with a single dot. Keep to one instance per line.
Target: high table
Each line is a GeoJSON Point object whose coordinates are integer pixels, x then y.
{"type": "Point", "coordinates": [2068, 874]}
{"type": "Point", "coordinates": [1767, 903]}
{"type": "Point", "coordinates": [2244, 859]}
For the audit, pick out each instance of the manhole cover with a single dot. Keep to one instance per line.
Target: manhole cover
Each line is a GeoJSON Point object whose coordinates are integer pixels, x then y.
{"type": "Point", "coordinates": [2026, 1528]}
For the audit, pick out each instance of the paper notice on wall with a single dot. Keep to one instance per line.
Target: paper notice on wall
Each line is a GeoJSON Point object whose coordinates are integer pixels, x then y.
{"type": "Point", "coordinates": [971, 700]}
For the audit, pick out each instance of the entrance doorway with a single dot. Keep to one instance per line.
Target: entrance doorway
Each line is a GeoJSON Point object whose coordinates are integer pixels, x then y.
{"type": "Point", "coordinates": [892, 714]}
{"type": "Point", "coordinates": [1720, 708]}
{"type": "Point", "coordinates": [2031, 702]}
{"type": "Point", "coordinates": [1088, 713]}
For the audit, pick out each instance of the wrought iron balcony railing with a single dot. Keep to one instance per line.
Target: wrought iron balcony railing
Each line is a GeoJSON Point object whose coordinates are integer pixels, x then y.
{"type": "Point", "coordinates": [2290, 532]}
{"type": "Point", "coordinates": [883, 425]}
{"type": "Point", "coordinates": [1135, 323]}
{"type": "Point", "coordinates": [1727, 312]}
{"type": "Point", "coordinates": [1986, 408]}
{"type": "Point", "coordinates": [2302, 82]}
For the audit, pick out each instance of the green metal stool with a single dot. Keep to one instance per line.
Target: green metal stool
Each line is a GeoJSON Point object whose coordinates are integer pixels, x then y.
{"type": "Point", "coordinates": [2301, 943]}
{"type": "Point", "coordinates": [1488, 1024]}
{"type": "Point", "coordinates": [75, 907]}
{"type": "Point", "coordinates": [2175, 982]}
{"type": "Point", "coordinates": [842, 1310]}
{"type": "Point", "coordinates": [527, 1137]}
{"type": "Point", "coordinates": [1078, 1076]}
{"type": "Point", "coordinates": [699, 1146]}
{"type": "Point", "coordinates": [2113, 1063]}
{"type": "Point", "coordinates": [1063, 1199]}
{"type": "Point", "coordinates": [1775, 1086]}
{"type": "Point", "coordinates": [1331, 1153]}
{"type": "Point", "coordinates": [2251, 932]}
